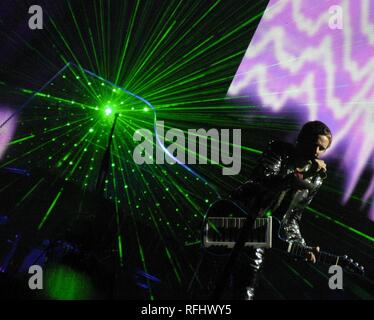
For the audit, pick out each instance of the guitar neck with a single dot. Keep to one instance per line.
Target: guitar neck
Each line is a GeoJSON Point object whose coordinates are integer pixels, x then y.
{"type": "Point", "coordinates": [322, 257]}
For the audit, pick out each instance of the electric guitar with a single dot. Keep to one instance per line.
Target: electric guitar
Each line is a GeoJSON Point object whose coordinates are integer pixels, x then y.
{"type": "Point", "coordinates": [224, 220]}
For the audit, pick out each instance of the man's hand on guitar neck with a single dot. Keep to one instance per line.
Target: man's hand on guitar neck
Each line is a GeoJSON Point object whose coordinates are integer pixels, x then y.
{"type": "Point", "coordinates": [311, 255]}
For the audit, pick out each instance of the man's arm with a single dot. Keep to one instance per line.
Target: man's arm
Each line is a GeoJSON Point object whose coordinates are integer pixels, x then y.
{"type": "Point", "coordinates": [265, 175]}
{"type": "Point", "coordinates": [290, 229]}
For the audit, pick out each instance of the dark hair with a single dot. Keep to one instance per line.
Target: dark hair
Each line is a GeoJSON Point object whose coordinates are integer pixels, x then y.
{"type": "Point", "coordinates": [314, 129]}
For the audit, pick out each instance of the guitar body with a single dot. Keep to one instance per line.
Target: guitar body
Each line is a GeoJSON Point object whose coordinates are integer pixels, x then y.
{"type": "Point", "coordinates": [225, 220]}
{"type": "Point", "coordinates": [223, 223]}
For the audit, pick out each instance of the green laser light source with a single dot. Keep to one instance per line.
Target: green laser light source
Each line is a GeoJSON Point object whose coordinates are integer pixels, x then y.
{"type": "Point", "coordinates": [108, 111]}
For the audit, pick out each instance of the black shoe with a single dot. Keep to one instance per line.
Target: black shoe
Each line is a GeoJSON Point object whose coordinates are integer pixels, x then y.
{"type": "Point", "coordinates": [249, 293]}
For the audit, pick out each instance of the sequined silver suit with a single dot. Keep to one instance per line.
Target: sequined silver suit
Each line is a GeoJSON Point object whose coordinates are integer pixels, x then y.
{"type": "Point", "coordinates": [276, 187]}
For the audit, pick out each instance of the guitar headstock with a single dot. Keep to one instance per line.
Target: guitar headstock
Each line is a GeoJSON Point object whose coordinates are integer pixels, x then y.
{"type": "Point", "coordinates": [351, 266]}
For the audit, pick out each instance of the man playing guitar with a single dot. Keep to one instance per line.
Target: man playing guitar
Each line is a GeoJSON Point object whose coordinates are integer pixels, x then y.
{"type": "Point", "coordinates": [285, 180]}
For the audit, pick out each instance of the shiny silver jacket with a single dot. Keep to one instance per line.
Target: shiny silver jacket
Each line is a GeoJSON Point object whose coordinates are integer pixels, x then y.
{"type": "Point", "coordinates": [274, 183]}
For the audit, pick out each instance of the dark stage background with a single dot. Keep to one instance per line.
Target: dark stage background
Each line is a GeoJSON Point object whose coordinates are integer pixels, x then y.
{"type": "Point", "coordinates": [139, 237]}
